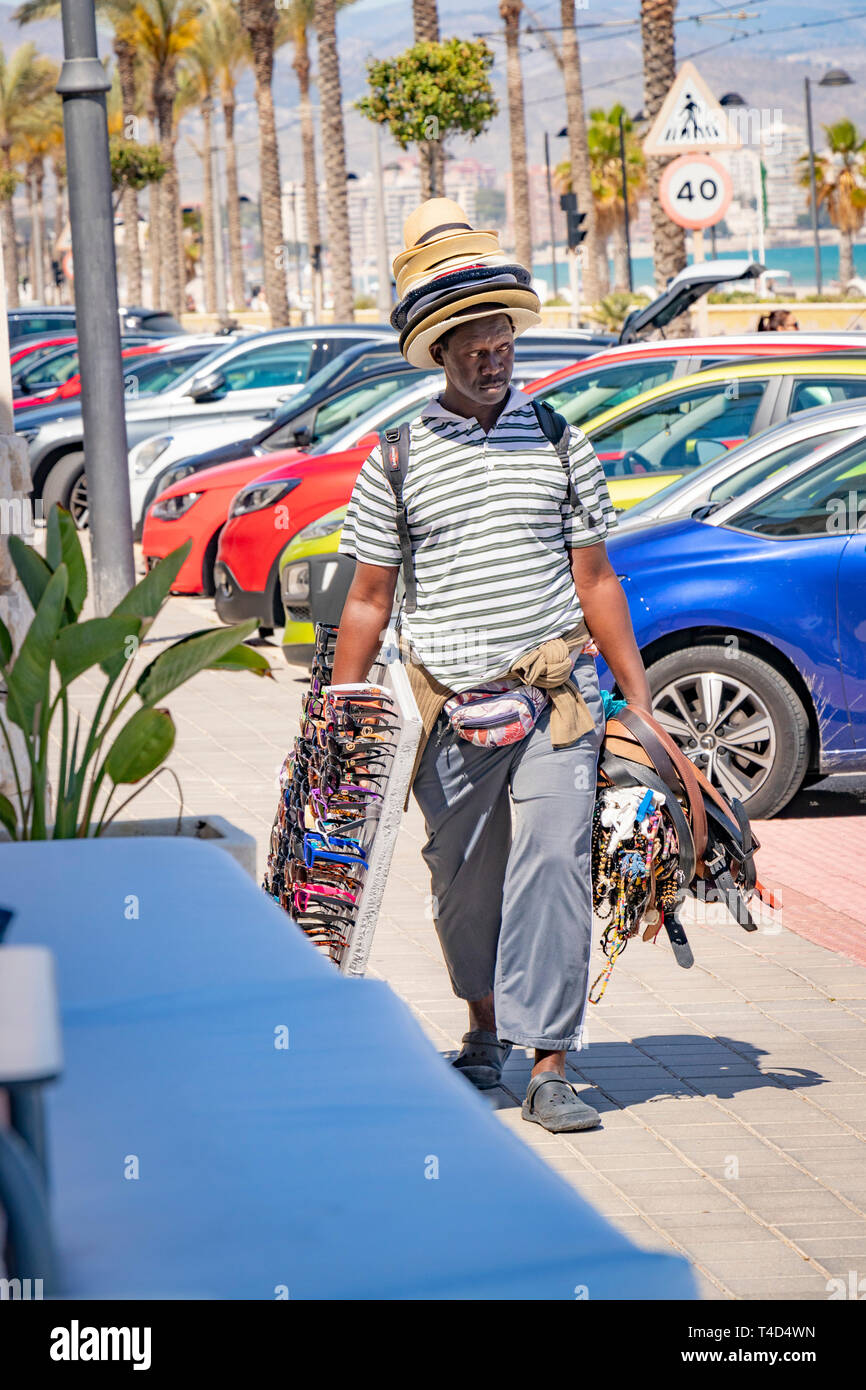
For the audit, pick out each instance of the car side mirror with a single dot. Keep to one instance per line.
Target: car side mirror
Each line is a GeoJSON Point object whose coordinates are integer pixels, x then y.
{"type": "Point", "coordinates": [303, 436]}
{"type": "Point", "coordinates": [207, 386]}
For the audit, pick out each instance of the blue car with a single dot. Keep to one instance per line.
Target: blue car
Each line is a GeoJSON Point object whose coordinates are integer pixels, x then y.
{"type": "Point", "coordinates": [751, 619]}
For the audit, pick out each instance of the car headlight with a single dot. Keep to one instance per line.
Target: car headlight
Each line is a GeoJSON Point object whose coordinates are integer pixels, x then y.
{"type": "Point", "coordinates": [170, 508]}
{"type": "Point", "coordinates": [174, 475]}
{"type": "Point", "coordinates": [256, 496]}
{"type": "Point", "coordinates": [145, 455]}
{"type": "Point", "coordinates": [325, 526]}
{"type": "Point", "coordinates": [296, 583]}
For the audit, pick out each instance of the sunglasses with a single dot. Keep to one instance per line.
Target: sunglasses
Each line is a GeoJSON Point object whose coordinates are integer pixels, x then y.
{"type": "Point", "coordinates": [338, 849]}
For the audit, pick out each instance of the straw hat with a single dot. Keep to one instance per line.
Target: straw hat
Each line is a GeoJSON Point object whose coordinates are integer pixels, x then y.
{"type": "Point", "coordinates": [451, 273]}
{"type": "Point", "coordinates": [437, 229]}
{"type": "Point", "coordinates": [521, 306]}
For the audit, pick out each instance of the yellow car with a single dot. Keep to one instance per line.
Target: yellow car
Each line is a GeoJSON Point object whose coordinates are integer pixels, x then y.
{"type": "Point", "coordinates": [656, 437]}
{"type": "Point", "coordinates": [643, 443]}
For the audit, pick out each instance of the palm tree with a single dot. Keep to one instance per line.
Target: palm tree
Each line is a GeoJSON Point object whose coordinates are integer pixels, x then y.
{"type": "Point", "coordinates": [259, 19]}
{"type": "Point", "coordinates": [232, 55]}
{"type": "Point", "coordinates": [659, 70]}
{"type": "Point", "coordinates": [839, 185]}
{"type": "Point", "coordinates": [425, 18]}
{"type": "Point", "coordinates": [200, 73]}
{"type": "Point", "coordinates": [578, 151]}
{"type": "Point", "coordinates": [510, 11]}
{"type": "Point", "coordinates": [166, 31]}
{"type": "Point", "coordinates": [26, 78]}
{"type": "Point", "coordinates": [41, 135]}
{"type": "Point", "coordinates": [604, 153]}
{"type": "Point", "coordinates": [121, 15]}
{"type": "Point", "coordinates": [334, 150]}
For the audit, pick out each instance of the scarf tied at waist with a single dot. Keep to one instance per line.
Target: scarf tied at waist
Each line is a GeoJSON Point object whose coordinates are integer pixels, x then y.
{"type": "Point", "coordinates": [547, 666]}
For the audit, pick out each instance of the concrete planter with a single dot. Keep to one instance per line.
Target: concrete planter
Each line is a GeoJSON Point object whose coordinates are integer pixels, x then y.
{"type": "Point", "coordinates": [216, 829]}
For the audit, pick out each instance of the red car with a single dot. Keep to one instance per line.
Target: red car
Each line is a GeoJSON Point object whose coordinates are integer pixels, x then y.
{"type": "Point", "coordinates": [71, 386]}
{"type": "Point", "coordinates": [271, 506]}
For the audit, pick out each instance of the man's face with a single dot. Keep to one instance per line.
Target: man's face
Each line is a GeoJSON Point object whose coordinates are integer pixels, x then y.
{"type": "Point", "coordinates": [478, 359]}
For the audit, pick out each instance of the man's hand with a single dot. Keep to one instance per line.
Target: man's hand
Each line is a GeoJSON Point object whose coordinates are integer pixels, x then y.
{"type": "Point", "coordinates": [608, 619]}
{"type": "Point", "coordinates": [366, 615]}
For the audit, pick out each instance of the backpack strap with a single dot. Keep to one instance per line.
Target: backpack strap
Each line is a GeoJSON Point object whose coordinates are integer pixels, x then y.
{"type": "Point", "coordinates": [394, 444]}
{"type": "Point", "coordinates": [554, 427]}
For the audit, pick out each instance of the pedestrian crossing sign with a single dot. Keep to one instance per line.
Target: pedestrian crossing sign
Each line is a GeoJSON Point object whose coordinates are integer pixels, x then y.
{"type": "Point", "coordinates": [690, 119]}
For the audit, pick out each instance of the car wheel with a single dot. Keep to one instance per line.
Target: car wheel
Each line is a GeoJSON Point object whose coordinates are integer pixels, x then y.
{"type": "Point", "coordinates": [67, 485]}
{"type": "Point", "coordinates": [738, 719]}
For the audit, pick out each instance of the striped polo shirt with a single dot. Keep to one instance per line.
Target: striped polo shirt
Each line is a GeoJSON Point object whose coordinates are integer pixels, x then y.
{"type": "Point", "coordinates": [489, 520]}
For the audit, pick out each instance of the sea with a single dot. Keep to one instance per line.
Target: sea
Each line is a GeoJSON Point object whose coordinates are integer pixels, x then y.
{"type": "Point", "coordinates": [799, 261]}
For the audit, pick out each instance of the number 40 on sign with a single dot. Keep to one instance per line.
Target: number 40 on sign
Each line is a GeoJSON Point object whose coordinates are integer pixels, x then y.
{"type": "Point", "coordinates": [695, 191]}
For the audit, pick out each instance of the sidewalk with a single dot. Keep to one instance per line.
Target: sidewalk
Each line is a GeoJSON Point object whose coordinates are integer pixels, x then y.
{"type": "Point", "coordinates": [733, 1095]}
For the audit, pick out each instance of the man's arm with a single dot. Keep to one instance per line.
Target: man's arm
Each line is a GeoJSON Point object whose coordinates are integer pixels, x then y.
{"type": "Point", "coordinates": [366, 614]}
{"type": "Point", "coordinates": [609, 621]}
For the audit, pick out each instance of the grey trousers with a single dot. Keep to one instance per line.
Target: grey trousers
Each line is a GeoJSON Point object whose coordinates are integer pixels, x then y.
{"type": "Point", "coordinates": [513, 905]}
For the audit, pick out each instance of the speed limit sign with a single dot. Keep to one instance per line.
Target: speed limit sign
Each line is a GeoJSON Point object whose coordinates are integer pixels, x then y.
{"type": "Point", "coordinates": [695, 191]}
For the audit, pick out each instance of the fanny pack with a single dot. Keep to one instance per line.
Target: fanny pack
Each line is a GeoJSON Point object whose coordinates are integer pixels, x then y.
{"type": "Point", "coordinates": [495, 713]}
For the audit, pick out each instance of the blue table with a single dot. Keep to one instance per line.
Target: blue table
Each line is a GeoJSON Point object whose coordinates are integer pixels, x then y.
{"type": "Point", "coordinates": [195, 1156]}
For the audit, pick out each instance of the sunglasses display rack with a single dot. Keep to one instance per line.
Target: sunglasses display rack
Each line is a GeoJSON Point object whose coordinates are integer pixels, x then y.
{"type": "Point", "coordinates": [342, 790]}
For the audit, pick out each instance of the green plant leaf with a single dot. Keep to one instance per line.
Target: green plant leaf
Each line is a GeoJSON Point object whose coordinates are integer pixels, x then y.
{"type": "Point", "coordinates": [146, 598]}
{"type": "Point", "coordinates": [8, 816]}
{"type": "Point", "coordinates": [243, 658]}
{"type": "Point", "coordinates": [186, 658]}
{"type": "Point", "coordinates": [95, 642]}
{"type": "Point", "coordinates": [30, 568]}
{"type": "Point", "coordinates": [5, 644]}
{"type": "Point", "coordinates": [63, 546]}
{"type": "Point", "coordinates": [28, 684]}
{"type": "Point", "coordinates": [142, 744]}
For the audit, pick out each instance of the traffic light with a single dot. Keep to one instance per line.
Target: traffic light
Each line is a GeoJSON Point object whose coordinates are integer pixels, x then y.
{"type": "Point", "coordinates": [574, 220]}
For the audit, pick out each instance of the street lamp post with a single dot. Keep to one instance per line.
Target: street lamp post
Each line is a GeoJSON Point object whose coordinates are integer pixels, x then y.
{"type": "Point", "coordinates": [550, 210]}
{"type": "Point", "coordinates": [624, 168]}
{"type": "Point", "coordinates": [383, 265]}
{"type": "Point", "coordinates": [836, 77]}
{"type": "Point", "coordinates": [83, 84]}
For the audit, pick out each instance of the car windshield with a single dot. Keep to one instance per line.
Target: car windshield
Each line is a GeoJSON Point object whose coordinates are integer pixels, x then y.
{"type": "Point", "coordinates": [741, 470]}
{"type": "Point", "coordinates": [594, 389]}
{"type": "Point", "coordinates": [827, 500]}
{"type": "Point", "coordinates": [150, 375]}
{"type": "Point", "coordinates": [380, 418]}
{"type": "Point", "coordinates": [342, 410]}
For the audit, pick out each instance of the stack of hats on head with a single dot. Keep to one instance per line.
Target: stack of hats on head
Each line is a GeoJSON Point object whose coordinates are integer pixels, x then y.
{"type": "Point", "coordinates": [450, 274]}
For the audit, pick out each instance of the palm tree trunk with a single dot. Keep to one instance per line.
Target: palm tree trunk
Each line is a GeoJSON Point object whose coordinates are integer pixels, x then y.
{"type": "Point", "coordinates": [155, 239]}
{"type": "Point", "coordinates": [31, 243]}
{"type": "Point", "coordinates": [620, 256]}
{"type": "Point", "coordinates": [659, 70]}
{"type": "Point", "coordinates": [602, 267]}
{"type": "Point", "coordinates": [39, 230]}
{"type": "Point", "coordinates": [236, 264]}
{"type": "Point", "coordinates": [578, 149]}
{"type": "Point", "coordinates": [10, 250]}
{"type": "Point", "coordinates": [125, 55]}
{"type": "Point", "coordinates": [425, 19]}
{"type": "Point", "coordinates": [273, 259]}
{"type": "Point", "coordinates": [431, 158]}
{"type": "Point", "coordinates": [846, 259]}
{"type": "Point", "coordinates": [170, 249]}
{"type": "Point", "coordinates": [311, 187]}
{"type": "Point", "coordinates": [207, 238]}
{"type": "Point", "coordinates": [510, 11]}
{"type": "Point", "coordinates": [334, 145]}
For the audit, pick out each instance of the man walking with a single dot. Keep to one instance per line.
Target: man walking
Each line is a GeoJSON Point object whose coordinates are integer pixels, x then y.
{"type": "Point", "coordinates": [513, 583]}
